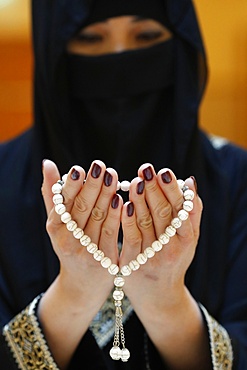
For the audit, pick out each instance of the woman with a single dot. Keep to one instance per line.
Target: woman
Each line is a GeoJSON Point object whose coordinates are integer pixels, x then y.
{"type": "Point", "coordinates": [121, 82]}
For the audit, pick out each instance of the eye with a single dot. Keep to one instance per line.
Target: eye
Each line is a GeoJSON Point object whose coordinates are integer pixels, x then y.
{"type": "Point", "coordinates": [151, 35]}
{"type": "Point", "coordinates": [89, 37]}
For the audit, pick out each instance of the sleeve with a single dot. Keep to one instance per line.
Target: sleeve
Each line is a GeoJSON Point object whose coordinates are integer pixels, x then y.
{"type": "Point", "coordinates": [24, 344]}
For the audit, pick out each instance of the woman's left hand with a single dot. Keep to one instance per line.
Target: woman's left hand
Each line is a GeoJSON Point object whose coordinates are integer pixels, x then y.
{"type": "Point", "coordinates": [157, 289]}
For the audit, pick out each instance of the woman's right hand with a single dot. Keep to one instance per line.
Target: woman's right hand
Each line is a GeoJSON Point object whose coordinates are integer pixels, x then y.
{"type": "Point", "coordinates": [82, 285]}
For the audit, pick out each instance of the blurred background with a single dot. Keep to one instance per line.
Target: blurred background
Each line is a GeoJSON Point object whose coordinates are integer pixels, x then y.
{"type": "Point", "coordinates": [224, 108]}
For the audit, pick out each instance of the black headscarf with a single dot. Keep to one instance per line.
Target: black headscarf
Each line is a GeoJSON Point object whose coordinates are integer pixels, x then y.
{"type": "Point", "coordinates": [157, 123]}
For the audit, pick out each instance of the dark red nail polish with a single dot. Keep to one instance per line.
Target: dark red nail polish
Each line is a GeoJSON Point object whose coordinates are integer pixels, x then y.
{"type": "Point", "coordinates": [195, 183]}
{"type": "Point", "coordinates": [148, 173]}
{"type": "Point", "coordinates": [107, 178]}
{"type": "Point", "coordinates": [75, 175]}
{"type": "Point", "coordinates": [130, 209]}
{"type": "Point", "coordinates": [96, 171]}
{"type": "Point", "coordinates": [166, 177]}
{"type": "Point", "coordinates": [140, 187]}
{"type": "Point", "coordinates": [115, 201]}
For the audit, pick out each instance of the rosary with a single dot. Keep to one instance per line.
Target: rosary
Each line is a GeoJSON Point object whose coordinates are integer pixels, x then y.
{"type": "Point", "coordinates": [119, 351]}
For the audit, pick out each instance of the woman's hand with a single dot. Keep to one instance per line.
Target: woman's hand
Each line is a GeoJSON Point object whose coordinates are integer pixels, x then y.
{"type": "Point", "coordinates": [157, 290]}
{"type": "Point", "coordinates": [82, 285]}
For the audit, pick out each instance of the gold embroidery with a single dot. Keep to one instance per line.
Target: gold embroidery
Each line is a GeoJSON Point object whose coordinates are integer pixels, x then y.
{"type": "Point", "coordinates": [221, 348]}
{"type": "Point", "coordinates": [27, 342]}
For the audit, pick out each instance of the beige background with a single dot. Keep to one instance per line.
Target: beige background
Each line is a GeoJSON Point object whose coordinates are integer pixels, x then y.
{"type": "Point", "coordinates": [224, 27]}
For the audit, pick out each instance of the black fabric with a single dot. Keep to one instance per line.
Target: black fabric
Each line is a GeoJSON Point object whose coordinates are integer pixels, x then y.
{"type": "Point", "coordinates": [103, 9]}
{"type": "Point", "coordinates": [217, 277]}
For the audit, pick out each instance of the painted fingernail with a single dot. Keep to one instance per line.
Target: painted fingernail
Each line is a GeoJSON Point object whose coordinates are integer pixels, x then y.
{"type": "Point", "coordinates": [75, 175]}
{"type": "Point", "coordinates": [107, 178]}
{"type": "Point", "coordinates": [195, 183]}
{"type": "Point", "coordinates": [140, 187]}
{"type": "Point", "coordinates": [130, 209]}
{"type": "Point", "coordinates": [115, 201]}
{"type": "Point", "coordinates": [96, 171]}
{"type": "Point", "coordinates": [166, 177]}
{"type": "Point", "coordinates": [148, 173]}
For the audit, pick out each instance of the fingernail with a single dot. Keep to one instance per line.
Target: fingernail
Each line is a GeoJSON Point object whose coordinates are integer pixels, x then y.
{"type": "Point", "coordinates": [166, 177]}
{"type": "Point", "coordinates": [107, 178]}
{"type": "Point", "coordinates": [115, 201]}
{"type": "Point", "coordinates": [130, 209]}
{"type": "Point", "coordinates": [96, 171]}
{"type": "Point", "coordinates": [140, 187]}
{"type": "Point", "coordinates": [195, 183]}
{"type": "Point", "coordinates": [75, 175]}
{"type": "Point", "coordinates": [148, 173]}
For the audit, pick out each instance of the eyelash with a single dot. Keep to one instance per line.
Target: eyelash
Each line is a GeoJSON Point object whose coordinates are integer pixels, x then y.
{"type": "Point", "coordinates": [93, 38]}
{"type": "Point", "coordinates": [149, 35]}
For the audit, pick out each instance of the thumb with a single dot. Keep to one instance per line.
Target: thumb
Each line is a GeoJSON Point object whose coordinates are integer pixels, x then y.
{"type": "Point", "coordinates": [50, 176]}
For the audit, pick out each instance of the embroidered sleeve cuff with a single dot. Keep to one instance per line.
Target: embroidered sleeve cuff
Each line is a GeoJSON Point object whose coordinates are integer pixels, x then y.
{"type": "Point", "coordinates": [26, 341]}
{"type": "Point", "coordinates": [220, 343]}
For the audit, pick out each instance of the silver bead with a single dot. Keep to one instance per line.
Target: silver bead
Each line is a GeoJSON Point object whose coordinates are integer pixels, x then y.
{"type": "Point", "coordinates": [66, 217]}
{"type": "Point", "coordinates": [92, 248]}
{"type": "Point", "coordinates": [56, 188]}
{"type": "Point", "coordinates": [126, 270]}
{"type": "Point", "coordinates": [60, 209]}
{"type": "Point", "coordinates": [78, 233]}
{"type": "Point", "coordinates": [98, 255]}
{"type": "Point", "coordinates": [149, 252]}
{"type": "Point", "coordinates": [189, 194]}
{"type": "Point", "coordinates": [134, 265]}
{"type": "Point", "coordinates": [157, 246]}
{"type": "Point", "coordinates": [57, 198]}
{"type": "Point", "coordinates": [105, 262]}
{"type": "Point", "coordinates": [118, 295]}
{"type": "Point", "coordinates": [183, 215]}
{"type": "Point", "coordinates": [71, 225]}
{"type": "Point", "coordinates": [170, 231]}
{"type": "Point", "coordinates": [141, 258]}
{"type": "Point", "coordinates": [125, 185]}
{"type": "Point", "coordinates": [176, 223]}
{"type": "Point", "coordinates": [119, 281]}
{"type": "Point", "coordinates": [113, 269]}
{"type": "Point", "coordinates": [188, 205]}
{"type": "Point", "coordinates": [125, 355]}
{"type": "Point", "coordinates": [115, 353]}
{"type": "Point", "coordinates": [164, 238]}
{"type": "Point", "coordinates": [85, 240]}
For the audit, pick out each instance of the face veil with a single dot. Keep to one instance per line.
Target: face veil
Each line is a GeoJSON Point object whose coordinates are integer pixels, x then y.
{"type": "Point", "coordinates": [157, 123]}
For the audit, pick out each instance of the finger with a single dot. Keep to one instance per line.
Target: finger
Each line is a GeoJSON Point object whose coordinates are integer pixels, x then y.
{"type": "Point", "coordinates": [87, 197]}
{"type": "Point", "coordinates": [102, 205]}
{"type": "Point", "coordinates": [132, 240]}
{"type": "Point", "coordinates": [159, 206]}
{"type": "Point", "coordinates": [109, 232]}
{"type": "Point", "coordinates": [143, 216]}
{"type": "Point", "coordinates": [50, 176]}
{"type": "Point", "coordinates": [72, 186]}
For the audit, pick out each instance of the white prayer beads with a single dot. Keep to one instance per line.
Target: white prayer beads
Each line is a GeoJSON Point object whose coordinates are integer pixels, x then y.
{"type": "Point", "coordinates": [116, 352]}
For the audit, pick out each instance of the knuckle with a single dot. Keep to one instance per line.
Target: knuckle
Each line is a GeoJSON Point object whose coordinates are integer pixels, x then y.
{"type": "Point", "coordinates": [145, 222]}
{"type": "Point", "coordinates": [164, 211]}
{"type": "Point", "coordinates": [107, 232]}
{"type": "Point", "coordinates": [97, 214]}
{"type": "Point", "coordinates": [81, 205]}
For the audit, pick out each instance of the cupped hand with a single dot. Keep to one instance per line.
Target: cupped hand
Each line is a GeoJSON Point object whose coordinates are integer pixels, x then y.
{"type": "Point", "coordinates": [96, 208]}
{"type": "Point", "coordinates": [158, 285]}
